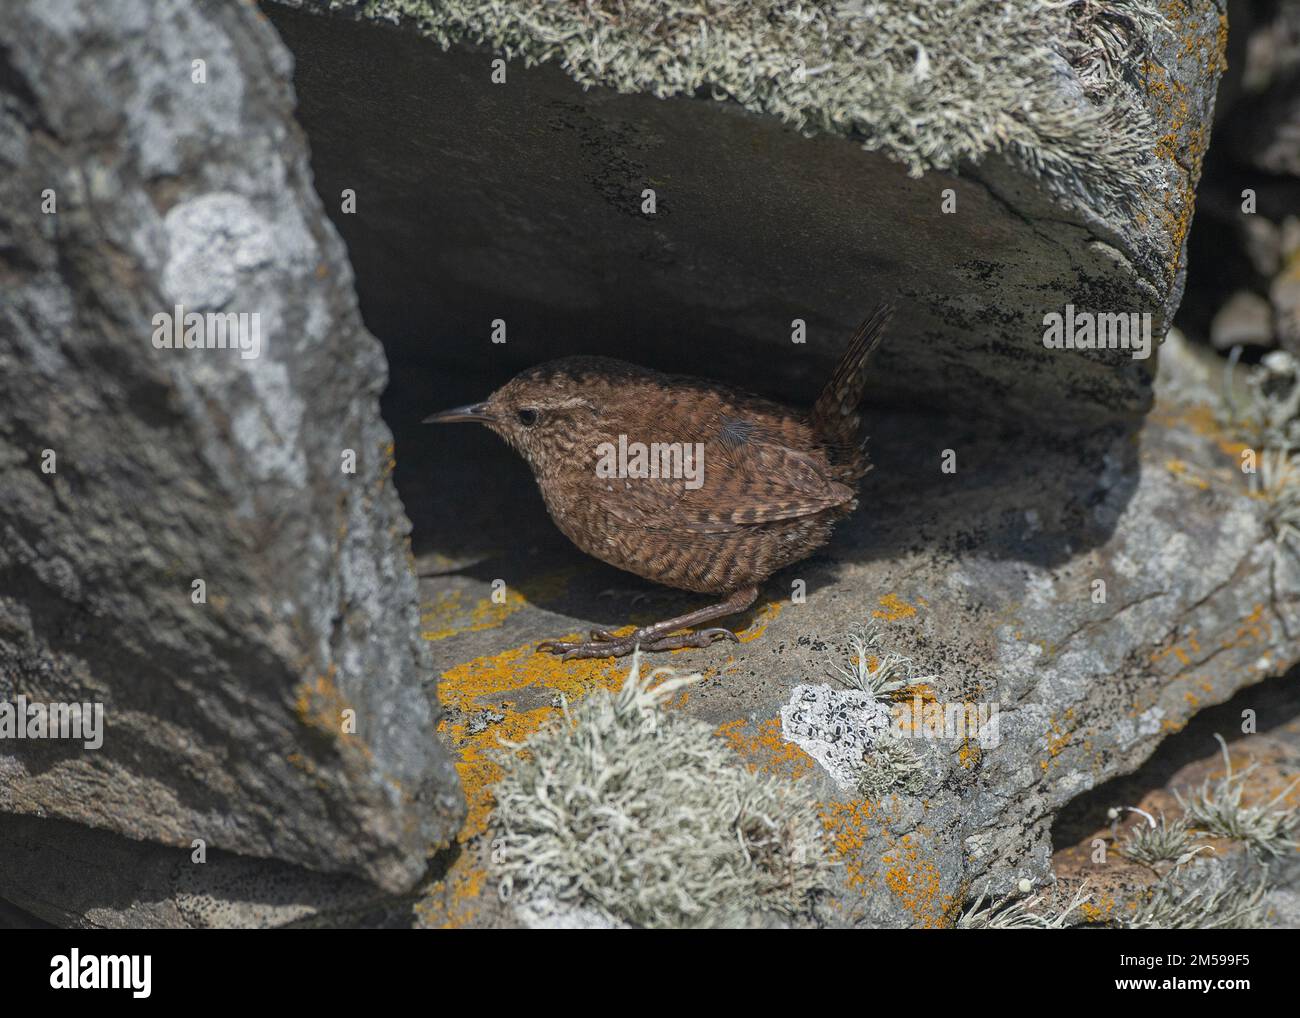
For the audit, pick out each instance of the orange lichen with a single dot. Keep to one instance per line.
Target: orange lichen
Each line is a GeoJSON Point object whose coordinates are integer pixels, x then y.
{"type": "Point", "coordinates": [465, 687]}
{"type": "Point", "coordinates": [1176, 649]}
{"type": "Point", "coordinates": [452, 902]}
{"type": "Point", "coordinates": [893, 608]}
{"type": "Point", "coordinates": [1099, 910]}
{"type": "Point", "coordinates": [1251, 630]}
{"type": "Point", "coordinates": [766, 750]}
{"type": "Point", "coordinates": [906, 716]}
{"type": "Point", "coordinates": [915, 882]}
{"type": "Point", "coordinates": [320, 705]}
{"type": "Point", "coordinates": [763, 618]}
{"type": "Point", "coordinates": [1059, 736]}
{"type": "Point", "coordinates": [1183, 472]}
{"type": "Point", "coordinates": [1185, 136]}
{"type": "Point", "coordinates": [846, 829]}
{"type": "Point", "coordinates": [447, 617]}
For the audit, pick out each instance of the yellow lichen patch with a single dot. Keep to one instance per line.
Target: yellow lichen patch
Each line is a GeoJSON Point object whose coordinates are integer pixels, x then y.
{"type": "Point", "coordinates": [915, 882]}
{"type": "Point", "coordinates": [390, 464]}
{"type": "Point", "coordinates": [908, 715]}
{"type": "Point", "coordinates": [465, 686]}
{"type": "Point", "coordinates": [969, 754]}
{"type": "Point", "coordinates": [453, 901]}
{"type": "Point", "coordinates": [1200, 419]}
{"type": "Point", "coordinates": [1098, 911]}
{"type": "Point", "coordinates": [766, 750]}
{"type": "Point", "coordinates": [893, 608]}
{"type": "Point", "coordinates": [438, 615]}
{"type": "Point", "coordinates": [1184, 473]}
{"type": "Point", "coordinates": [1058, 737]}
{"type": "Point", "coordinates": [1186, 131]}
{"type": "Point", "coordinates": [845, 824]}
{"type": "Point", "coordinates": [447, 616]}
{"type": "Point", "coordinates": [320, 705]}
{"type": "Point", "coordinates": [763, 618]}
{"type": "Point", "coordinates": [1177, 650]}
{"type": "Point", "coordinates": [1253, 629]}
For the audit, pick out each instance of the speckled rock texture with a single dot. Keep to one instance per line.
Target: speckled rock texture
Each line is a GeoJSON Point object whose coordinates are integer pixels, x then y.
{"type": "Point", "coordinates": [283, 717]}
{"type": "Point", "coordinates": [525, 197]}
{"type": "Point", "coordinates": [521, 201]}
{"type": "Point", "coordinates": [986, 578]}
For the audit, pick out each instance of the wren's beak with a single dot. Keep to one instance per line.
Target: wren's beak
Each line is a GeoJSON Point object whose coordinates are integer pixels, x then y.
{"type": "Point", "coordinates": [473, 412]}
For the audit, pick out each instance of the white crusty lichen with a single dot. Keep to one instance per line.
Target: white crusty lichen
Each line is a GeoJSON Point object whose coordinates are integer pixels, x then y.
{"type": "Point", "coordinates": [635, 815]}
{"type": "Point", "coordinates": [1217, 807]}
{"type": "Point", "coordinates": [836, 727]}
{"type": "Point", "coordinates": [934, 84]}
{"type": "Point", "coordinates": [852, 732]}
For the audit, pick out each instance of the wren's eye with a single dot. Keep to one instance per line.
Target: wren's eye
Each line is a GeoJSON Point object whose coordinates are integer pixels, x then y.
{"type": "Point", "coordinates": [527, 417]}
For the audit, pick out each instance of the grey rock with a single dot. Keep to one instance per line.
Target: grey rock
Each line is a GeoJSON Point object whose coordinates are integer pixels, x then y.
{"type": "Point", "coordinates": [223, 720]}
{"type": "Point", "coordinates": [987, 579]}
{"type": "Point", "coordinates": [523, 201]}
{"type": "Point", "coordinates": [74, 876]}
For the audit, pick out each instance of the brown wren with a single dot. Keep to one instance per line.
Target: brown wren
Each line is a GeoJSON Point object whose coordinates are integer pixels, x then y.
{"type": "Point", "coordinates": [687, 482]}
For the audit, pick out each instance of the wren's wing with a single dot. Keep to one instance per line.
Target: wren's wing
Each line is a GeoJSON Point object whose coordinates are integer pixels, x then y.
{"type": "Point", "coordinates": [749, 477]}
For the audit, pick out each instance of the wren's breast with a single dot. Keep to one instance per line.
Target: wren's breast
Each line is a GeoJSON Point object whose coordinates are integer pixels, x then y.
{"type": "Point", "coordinates": [712, 563]}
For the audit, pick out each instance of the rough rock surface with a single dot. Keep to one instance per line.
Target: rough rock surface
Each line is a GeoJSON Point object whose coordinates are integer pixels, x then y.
{"type": "Point", "coordinates": [985, 577]}
{"type": "Point", "coordinates": [1183, 762]}
{"type": "Point", "coordinates": [224, 720]}
{"type": "Point", "coordinates": [522, 201]}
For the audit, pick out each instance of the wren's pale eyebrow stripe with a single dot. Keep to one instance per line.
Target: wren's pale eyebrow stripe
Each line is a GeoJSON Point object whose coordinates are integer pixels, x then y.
{"type": "Point", "coordinates": [700, 486]}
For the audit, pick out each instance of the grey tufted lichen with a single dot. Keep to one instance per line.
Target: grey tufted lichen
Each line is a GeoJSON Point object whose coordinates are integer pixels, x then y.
{"type": "Point", "coordinates": [931, 83]}
{"type": "Point", "coordinates": [632, 815]}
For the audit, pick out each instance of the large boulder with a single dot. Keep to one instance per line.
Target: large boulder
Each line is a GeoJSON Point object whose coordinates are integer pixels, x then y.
{"type": "Point", "coordinates": [986, 163]}
{"type": "Point", "coordinates": [149, 159]}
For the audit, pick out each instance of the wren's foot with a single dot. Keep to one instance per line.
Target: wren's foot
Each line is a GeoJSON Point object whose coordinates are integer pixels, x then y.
{"type": "Point", "coordinates": [605, 644]}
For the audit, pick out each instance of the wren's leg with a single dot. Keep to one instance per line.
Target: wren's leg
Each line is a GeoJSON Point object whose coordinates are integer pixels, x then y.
{"type": "Point", "coordinates": [658, 636]}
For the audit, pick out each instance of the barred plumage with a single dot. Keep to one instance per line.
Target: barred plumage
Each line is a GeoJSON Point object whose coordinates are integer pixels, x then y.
{"type": "Point", "coordinates": [686, 482]}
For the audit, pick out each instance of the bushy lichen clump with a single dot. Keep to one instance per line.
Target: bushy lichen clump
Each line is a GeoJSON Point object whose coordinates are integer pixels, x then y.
{"type": "Point", "coordinates": [932, 83]}
{"type": "Point", "coordinates": [1196, 891]}
{"type": "Point", "coordinates": [892, 766]}
{"type": "Point", "coordinates": [1163, 840]}
{"type": "Point", "coordinates": [1217, 807]}
{"type": "Point", "coordinates": [1223, 901]}
{"type": "Point", "coordinates": [1010, 913]}
{"type": "Point", "coordinates": [642, 816]}
{"type": "Point", "coordinates": [872, 669]}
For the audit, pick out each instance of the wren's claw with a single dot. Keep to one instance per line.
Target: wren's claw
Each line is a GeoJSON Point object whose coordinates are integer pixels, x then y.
{"type": "Point", "coordinates": [604, 644]}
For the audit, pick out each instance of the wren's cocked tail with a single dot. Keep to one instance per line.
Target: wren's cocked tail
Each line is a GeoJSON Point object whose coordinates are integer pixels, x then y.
{"type": "Point", "coordinates": [687, 482]}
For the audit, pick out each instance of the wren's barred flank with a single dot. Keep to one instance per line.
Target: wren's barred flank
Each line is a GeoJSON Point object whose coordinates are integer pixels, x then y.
{"type": "Point", "coordinates": [775, 480]}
